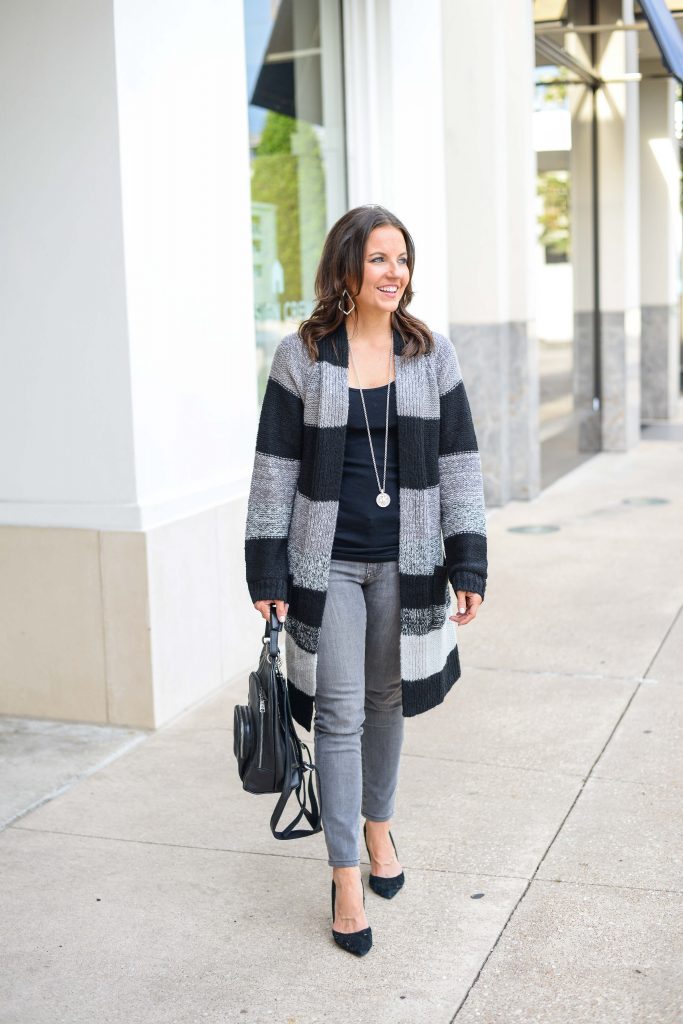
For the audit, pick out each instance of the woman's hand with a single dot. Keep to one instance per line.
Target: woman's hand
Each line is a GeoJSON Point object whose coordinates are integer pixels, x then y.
{"type": "Point", "coordinates": [264, 608]}
{"type": "Point", "coordinates": [468, 604]}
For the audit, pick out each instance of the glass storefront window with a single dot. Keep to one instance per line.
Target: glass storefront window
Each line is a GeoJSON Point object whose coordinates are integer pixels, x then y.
{"type": "Point", "coordinates": [296, 141]}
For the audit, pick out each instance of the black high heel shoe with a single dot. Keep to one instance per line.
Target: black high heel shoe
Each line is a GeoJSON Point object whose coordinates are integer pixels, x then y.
{"type": "Point", "coordinates": [353, 942]}
{"type": "Point", "coordinates": [386, 887]}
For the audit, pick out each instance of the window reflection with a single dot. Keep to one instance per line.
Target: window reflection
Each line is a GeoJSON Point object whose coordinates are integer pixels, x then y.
{"type": "Point", "coordinates": [296, 130]}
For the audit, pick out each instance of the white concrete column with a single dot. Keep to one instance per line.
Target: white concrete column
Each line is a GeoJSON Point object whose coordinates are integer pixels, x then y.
{"type": "Point", "coordinates": [660, 247]}
{"type": "Point", "coordinates": [128, 388]}
{"type": "Point", "coordinates": [186, 226]}
{"type": "Point", "coordinates": [394, 117]}
{"type": "Point", "coordinates": [66, 426]}
{"type": "Point", "coordinates": [619, 229]}
{"type": "Point", "coordinates": [125, 267]}
{"type": "Point", "coordinates": [488, 61]}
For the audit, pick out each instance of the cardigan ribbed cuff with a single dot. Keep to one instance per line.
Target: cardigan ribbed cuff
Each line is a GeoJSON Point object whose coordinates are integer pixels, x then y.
{"type": "Point", "coordinates": [273, 589]}
{"type": "Point", "coordinates": [472, 581]}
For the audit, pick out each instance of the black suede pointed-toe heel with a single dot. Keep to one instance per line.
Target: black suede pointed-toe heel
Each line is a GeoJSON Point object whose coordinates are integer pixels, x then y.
{"type": "Point", "coordinates": [386, 887]}
{"type": "Point", "coordinates": [359, 942]}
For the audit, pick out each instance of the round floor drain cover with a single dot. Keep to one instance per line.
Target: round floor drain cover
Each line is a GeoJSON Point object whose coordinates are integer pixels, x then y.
{"type": "Point", "coordinates": [646, 501]}
{"type": "Point", "coordinates": [534, 528]}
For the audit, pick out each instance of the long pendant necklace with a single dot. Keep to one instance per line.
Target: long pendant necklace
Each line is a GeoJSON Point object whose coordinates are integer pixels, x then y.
{"type": "Point", "coordinates": [382, 498]}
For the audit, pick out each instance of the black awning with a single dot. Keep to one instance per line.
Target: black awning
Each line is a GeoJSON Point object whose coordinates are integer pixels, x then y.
{"type": "Point", "coordinates": [289, 80]}
{"type": "Point", "coordinates": [667, 35]}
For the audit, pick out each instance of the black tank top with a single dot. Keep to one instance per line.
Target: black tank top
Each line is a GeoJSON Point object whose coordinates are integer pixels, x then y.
{"type": "Point", "coordinates": [365, 532]}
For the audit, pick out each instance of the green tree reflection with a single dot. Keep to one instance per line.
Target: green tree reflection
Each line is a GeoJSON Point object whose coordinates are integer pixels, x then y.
{"type": "Point", "coordinates": [287, 171]}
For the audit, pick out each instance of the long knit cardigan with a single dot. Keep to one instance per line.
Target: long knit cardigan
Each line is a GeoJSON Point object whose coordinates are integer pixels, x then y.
{"type": "Point", "coordinates": [294, 500]}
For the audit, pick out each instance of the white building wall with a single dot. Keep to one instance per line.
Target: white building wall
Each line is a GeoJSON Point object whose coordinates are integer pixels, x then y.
{"type": "Point", "coordinates": [128, 397]}
{"type": "Point", "coordinates": [66, 433]}
{"type": "Point", "coordinates": [187, 235]}
{"type": "Point", "coordinates": [128, 391]}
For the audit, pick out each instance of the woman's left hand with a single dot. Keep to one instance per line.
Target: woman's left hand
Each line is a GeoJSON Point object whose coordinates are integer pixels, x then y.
{"type": "Point", "coordinates": [468, 604]}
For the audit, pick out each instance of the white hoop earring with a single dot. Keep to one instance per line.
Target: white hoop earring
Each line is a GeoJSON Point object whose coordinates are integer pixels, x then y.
{"type": "Point", "coordinates": [341, 307]}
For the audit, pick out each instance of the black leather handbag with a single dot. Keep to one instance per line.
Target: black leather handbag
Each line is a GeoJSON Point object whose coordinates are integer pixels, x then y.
{"type": "Point", "coordinates": [270, 755]}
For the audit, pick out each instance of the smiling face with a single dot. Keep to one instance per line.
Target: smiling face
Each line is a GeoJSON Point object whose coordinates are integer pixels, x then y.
{"type": "Point", "coordinates": [385, 271]}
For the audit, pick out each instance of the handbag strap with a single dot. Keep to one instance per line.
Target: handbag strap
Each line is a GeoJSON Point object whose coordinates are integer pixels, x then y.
{"type": "Point", "coordinates": [313, 815]}
{"type": "Point", "coordinates": [273, 628]}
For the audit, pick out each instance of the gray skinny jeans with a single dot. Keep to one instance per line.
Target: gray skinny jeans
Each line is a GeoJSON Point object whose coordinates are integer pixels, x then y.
{"type": "Point", "coordinates": [358, 724]}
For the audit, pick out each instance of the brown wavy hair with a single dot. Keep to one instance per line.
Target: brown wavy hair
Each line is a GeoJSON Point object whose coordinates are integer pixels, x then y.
{"type": "Point", "coordinates": [341, 266]}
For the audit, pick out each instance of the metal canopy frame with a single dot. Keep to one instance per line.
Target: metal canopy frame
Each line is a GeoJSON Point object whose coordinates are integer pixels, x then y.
{"type": "Point", "coordinates": [558, 55]}
{"type": "Point", "coordinates": [616, 26]}
{"type": "Point", "coordinates": [586, 75]}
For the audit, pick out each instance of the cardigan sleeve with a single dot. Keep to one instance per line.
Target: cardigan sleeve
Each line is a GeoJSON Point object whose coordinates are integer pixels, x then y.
{"type": "Point", "coordinates": [275, 474]}
{"type": "Point", "coordinates": [463, 520]}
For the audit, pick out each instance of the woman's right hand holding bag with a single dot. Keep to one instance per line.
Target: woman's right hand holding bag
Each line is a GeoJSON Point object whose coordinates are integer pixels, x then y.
{"type": "Point", "coordinates": [280, 609]}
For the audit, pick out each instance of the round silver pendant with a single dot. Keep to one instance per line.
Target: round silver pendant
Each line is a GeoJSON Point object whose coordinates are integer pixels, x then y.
{"type": "Point", "coordinates": [382, 499]}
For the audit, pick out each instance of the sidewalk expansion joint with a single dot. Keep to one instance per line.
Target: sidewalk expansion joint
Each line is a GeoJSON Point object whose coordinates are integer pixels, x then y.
{"type": "Point", "coordinates": [81, 777]}
{"type": "Point", "coordinates": [607, 885]}
{"type": "Point", "coordinates": [256, 853]}
{"type": "Point", "coordinates": [495, 764]}
{"type": "Point", "coordinates": [559, 674]}
{"type": "Point", "coordinates": [664, 639]}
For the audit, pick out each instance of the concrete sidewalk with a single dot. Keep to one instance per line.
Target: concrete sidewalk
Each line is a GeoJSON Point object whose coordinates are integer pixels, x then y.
{"type": "Point", "coordinates": [539, 819]}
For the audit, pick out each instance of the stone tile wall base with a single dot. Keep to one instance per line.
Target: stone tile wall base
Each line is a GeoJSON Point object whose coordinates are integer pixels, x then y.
{"type": "Point", "coordinates": [120, 627]}
{"type": "Point", "coordinates": [499, 364]}
{"type": "Point", "coordinates": [620, 347]}
{"type": "Point", "coordinates": [660, 361]}
{"type": "Point", "coordinates": [590, 431]}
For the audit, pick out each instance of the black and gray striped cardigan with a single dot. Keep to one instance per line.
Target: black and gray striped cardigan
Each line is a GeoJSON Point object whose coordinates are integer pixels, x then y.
{"type": "Point", "coordinates": [293, 503]}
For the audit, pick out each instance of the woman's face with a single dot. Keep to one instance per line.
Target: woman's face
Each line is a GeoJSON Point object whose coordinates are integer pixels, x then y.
{"type": "Point", "coordinates": [385, 271]}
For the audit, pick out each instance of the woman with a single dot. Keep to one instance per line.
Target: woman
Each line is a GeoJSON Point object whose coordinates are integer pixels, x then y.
{"type": "Point", "coordinates": [366, 468]}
